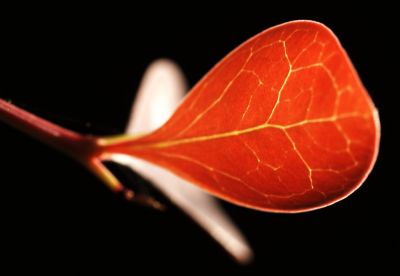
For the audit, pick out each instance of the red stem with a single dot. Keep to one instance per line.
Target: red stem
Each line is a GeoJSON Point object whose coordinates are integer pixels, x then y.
{"type": "Point", "coordinates": [65, 140]}
{"type": "Point", "coordinates": [85, 149]}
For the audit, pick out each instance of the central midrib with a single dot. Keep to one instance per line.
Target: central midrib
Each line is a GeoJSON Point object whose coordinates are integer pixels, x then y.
{"type": "Point", "coordinates": [202, 138]}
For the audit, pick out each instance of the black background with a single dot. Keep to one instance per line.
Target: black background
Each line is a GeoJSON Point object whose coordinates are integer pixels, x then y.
{"type": "Point", "coordinates": [81, 67]}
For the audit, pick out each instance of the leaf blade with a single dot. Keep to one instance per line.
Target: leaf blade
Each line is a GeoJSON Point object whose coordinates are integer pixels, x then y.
{"type": "Point", "coordinates": [252, 131]}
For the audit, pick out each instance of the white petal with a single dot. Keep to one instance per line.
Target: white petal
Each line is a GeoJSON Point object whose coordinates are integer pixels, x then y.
{"type": "Point", "coordinates": [160, 92]}
{"type": "Point", "coordinates": [201, 207]}
{"type": "Point", "coordinates": [162, 88]}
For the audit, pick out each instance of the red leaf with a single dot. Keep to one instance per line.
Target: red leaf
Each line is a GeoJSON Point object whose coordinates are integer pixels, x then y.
{"type": "Point", "coordinates": [281, 124]}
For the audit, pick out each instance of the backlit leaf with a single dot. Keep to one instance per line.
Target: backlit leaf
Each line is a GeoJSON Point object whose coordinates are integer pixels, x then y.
{"type": "Point", "coordinates": [281, 124]}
